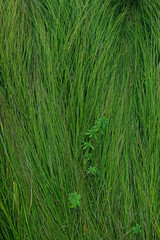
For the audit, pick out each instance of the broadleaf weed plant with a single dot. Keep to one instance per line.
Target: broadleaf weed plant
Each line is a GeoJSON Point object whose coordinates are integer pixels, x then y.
{"type": "Point", "coordinates": [74, 200]}
{"type": "Point", "coordinates": [136, 229]}
{"type": "Point", "coordinates": [92, 170]}
{"type": "Point", "coordinates": [93, 134]}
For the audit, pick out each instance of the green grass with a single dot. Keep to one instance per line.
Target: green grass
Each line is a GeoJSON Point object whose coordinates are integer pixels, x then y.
{"type": "Point", "coordinates": [63, 65]}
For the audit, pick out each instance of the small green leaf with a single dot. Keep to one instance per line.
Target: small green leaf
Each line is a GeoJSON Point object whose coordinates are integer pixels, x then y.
{"type": "Point", "coordinates": [92, 133]}
{"type": "Point", "coordinates": [92, 170]}
{"type": "Point", "coordinates": [87, 145]}
{"type": "Point", "coordinates": [136, 229]}
{"type": "Point", "coordinates": [74, 200]}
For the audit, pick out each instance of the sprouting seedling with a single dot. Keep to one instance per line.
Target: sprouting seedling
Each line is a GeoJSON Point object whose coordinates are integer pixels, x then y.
{"type": "Point", "coordinates": [93, 132]}
{"type": "Point", "coordinates": [101, 124]}
{"type": "Point", "coordinates": [74, 200]}
{"type": "Point", "coordinates": [88, 145]}
{"type": "Point", "coordinates": [92, 170]}
{"type": "Point", "coordinates": [136, 229]}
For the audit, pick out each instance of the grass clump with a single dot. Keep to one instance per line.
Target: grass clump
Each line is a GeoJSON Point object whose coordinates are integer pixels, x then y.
{"type": "Point", "coordinates": [74, 71]}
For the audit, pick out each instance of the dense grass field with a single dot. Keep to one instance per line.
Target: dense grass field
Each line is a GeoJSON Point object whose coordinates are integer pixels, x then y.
{"type": "Point", "coordinates": [80, 119]}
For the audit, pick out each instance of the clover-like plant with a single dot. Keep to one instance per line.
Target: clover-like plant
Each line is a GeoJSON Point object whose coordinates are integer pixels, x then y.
{"type": "Point", "coordinates": [74, 200]}
{"type": "Point", "coordinates": [92, 170]}
{"type": "Point", "coordinates": [136, 229]}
